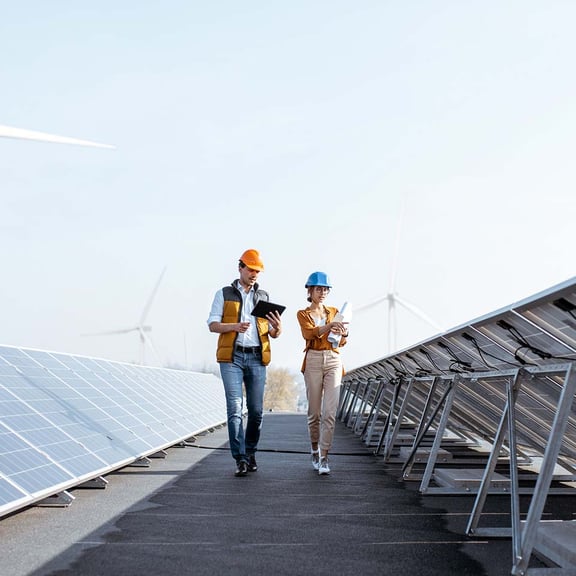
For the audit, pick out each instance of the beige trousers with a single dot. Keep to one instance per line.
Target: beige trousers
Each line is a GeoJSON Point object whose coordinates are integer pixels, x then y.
{"type": "Point", "coordinates": [323, 377]}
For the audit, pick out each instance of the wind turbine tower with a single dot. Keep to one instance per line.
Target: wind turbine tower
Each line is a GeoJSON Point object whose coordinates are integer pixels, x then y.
{"type": "Point", "coordinates": [394, 299]}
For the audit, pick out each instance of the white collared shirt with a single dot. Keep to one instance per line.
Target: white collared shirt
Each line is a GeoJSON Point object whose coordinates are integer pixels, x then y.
{"type": "Point", "coordinates": [250, 337]}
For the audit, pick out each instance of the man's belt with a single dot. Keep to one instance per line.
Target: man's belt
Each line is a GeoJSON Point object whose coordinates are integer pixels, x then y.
{"type": "Point", "coordinates": [248, 349]}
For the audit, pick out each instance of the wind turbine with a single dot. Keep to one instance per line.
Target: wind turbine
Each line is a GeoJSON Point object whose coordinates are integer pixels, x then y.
{"type": "Point", "coordinates": [393, 298]}
{"type": "Point", "coordinates": [141, 328]}
{"type": "Point", "coordinates": [10, 132]}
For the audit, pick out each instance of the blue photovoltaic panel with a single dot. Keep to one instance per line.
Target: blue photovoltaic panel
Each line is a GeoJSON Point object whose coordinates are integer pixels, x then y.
{"type": "Point", "coordinates": [10, 494]}
{"type": "Point", "coordinates": [51, 415]}
{"type": "Point", "coordinates": [26, 465]}
{"type": "Point", "coordinates": [66, 419]}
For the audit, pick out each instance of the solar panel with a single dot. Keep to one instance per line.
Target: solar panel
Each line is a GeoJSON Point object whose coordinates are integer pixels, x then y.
{"type": "Point", "coordinates": [511, 378]}
{"type": "Point", "coordinates": [67, 419]}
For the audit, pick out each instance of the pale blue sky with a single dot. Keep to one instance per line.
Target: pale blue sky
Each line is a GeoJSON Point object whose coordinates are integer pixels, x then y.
{"type": "Point", "coordinates": [298, 128]}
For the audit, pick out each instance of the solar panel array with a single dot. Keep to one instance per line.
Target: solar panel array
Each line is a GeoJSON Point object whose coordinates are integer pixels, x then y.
{"type": "Point", "coordinates": [503, 384]}
{"type": "Point", "coordinates": [65, 420]}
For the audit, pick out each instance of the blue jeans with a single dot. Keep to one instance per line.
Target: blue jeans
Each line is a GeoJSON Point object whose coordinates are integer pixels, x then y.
{"type": "Point", "coordinates": [246, 368]}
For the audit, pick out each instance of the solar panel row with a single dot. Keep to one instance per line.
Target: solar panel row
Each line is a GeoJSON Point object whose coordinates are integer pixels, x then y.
{"type": "Point", "coordinates": [508, 379]}
{"type": "Point", "coordinates": [67, 419]}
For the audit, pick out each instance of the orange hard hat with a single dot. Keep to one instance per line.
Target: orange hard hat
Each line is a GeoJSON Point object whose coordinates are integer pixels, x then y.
{"type": "Point", "coordinates": [252, 259]}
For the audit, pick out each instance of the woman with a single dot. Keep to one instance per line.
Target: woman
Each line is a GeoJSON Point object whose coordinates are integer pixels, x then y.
{"type": "Point", "coordinates": [322, 367]}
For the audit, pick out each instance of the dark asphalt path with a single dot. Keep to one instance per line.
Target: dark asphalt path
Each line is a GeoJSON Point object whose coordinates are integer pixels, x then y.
{"type": "Point", "coordinates": [284, 519]}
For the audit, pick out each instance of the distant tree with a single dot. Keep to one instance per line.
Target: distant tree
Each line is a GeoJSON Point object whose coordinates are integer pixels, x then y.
{"type": "Point", "coordinates": [281, 392]}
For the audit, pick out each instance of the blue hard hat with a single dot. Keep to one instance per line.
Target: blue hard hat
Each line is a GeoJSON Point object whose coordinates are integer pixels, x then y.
{"type": "Point", "coordinates": [318, 279]}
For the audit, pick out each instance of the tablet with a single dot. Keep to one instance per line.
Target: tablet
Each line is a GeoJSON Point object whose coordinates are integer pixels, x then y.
{"type": "Point", "coordinates": [262, 308]}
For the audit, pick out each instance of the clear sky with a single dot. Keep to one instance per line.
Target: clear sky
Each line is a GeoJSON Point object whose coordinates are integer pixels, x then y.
{"type": "Point", "coordinates": [299, 128]}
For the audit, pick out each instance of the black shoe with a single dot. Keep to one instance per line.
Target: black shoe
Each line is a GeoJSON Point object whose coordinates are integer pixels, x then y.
{"type": "Point", "coordinates": [252, 466]}
{"type": "Point", "coordinates": [241, 468]}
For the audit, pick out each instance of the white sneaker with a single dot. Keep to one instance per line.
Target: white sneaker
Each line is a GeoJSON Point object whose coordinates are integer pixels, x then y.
{"type": "Point", "coordinates": [323, 468]}
{"type": "Point", "coordinates": [316, 459]}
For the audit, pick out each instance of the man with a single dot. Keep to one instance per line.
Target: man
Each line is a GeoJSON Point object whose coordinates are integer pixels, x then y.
{"type": "Point", "coordinates": [243, 353]}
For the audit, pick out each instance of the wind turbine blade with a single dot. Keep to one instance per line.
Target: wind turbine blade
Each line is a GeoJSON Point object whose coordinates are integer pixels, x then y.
{"type": "Point", "coordinates": [122, 331]}
{"type": "Point", "coordinates": [371, 304]}
{"type": "Point", "coordinates": [151, 299]}
{"type": "Point", "coordinates": [9, 132]}
{"type": "Point", "coordinates": [417, 312]}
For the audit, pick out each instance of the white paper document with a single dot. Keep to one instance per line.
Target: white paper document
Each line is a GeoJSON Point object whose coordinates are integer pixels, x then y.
{"type": "Point", "coordinates": [344, 315]}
